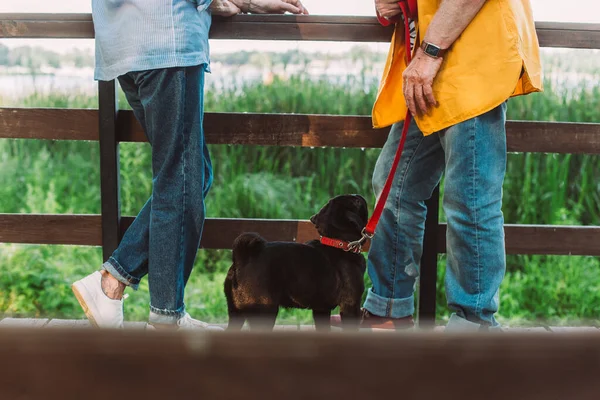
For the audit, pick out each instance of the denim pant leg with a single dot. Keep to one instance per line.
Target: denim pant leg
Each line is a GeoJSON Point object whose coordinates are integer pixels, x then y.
{"type": "Point", "coordinates": [395, 253]}
{"type": "Point", "coordinates": [129, 262]}
{"type": "Point", "coordinates": [164, 238]}
{"type": "Point", "coordinates": [475, 152]}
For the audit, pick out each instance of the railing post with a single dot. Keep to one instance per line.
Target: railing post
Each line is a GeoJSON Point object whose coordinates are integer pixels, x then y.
{"type": "Point", "coordinates": [109, 166]}
{"type": "Point", "coordinates": [428, 280]}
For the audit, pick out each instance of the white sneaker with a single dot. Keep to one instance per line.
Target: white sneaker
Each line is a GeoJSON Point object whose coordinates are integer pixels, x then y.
{"type": "Point", "coordinates": [101, 310]}
{"type": "Point", "coordinates": [188, 323]}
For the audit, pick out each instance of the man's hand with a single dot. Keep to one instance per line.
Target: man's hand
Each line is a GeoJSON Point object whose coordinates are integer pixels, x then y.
{"type": "Point", "coordinates": [224, 8]}
{"type": "Point", "coordinates": [387, 8]}
{"type": "Point", "coordinates": [418, 82]}
{"type": "Point", "coordinates": [448, 23]}
{"type": "Point", "coordinates": [271, 6]}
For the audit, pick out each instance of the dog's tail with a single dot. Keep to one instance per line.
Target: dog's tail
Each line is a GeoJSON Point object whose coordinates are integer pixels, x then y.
{"type": "Point", "coordinates": [246, 247]}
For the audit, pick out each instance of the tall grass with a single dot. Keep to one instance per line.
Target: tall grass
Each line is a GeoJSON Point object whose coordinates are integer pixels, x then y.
{"type": "Point", "coordinates": [273, 182]}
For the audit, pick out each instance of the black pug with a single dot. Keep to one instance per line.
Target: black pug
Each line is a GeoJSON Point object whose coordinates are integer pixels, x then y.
{"type": "Point", "coordinates": [268, 275]}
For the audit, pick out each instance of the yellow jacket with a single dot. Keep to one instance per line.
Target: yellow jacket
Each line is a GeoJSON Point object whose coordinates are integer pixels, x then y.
{"type": "Point", "coordinates": [496, 57]}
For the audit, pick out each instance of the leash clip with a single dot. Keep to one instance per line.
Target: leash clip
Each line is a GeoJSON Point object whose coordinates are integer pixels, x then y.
{"type": "Point", "coordinates": [356, 246]}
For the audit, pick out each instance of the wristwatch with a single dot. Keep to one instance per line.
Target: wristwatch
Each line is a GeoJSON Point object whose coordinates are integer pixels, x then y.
{"type": "Point", "coordinates": [432, 50]}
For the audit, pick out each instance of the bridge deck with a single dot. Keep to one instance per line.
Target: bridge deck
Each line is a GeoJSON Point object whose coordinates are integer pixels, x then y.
{"type": "Point", "coordinates": [83, 323]}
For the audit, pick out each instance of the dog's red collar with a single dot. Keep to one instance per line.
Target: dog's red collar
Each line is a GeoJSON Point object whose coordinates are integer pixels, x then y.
{"type": "Point", "coordinates": [341, 244]}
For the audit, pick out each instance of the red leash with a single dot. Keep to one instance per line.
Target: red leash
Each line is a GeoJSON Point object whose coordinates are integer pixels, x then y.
{"type": "Point", "coordinates": [370, 228]}
{"type": "Point", "coordinates": [369, 231]}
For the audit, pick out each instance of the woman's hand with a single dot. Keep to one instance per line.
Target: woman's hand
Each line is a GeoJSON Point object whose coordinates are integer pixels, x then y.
{"type": "Point", "coordinates": [418, 82]}
{"type": "Point", "coordinates": [272, 6]}
{"type": "Point", "coordinates": [224, 8]}
{"type": "Point", "coordinates": [387, 8]}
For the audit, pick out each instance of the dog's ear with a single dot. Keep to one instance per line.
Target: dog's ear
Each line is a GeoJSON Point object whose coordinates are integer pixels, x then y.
{"type": "Point", "coordinates": [313, 219]}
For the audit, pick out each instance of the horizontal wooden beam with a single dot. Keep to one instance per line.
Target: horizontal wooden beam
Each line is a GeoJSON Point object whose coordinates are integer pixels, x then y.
{"type": "Point", "coordinates": [278, 27]}
{"type": "Point", "coordinates": [86, 230]}
{"type": "Point", "coordinates": [568, 35]}
{"type": "Point", "coordinates": [287, 130]}
{"type": "Point", "coordinates": [79, 230]}
{"type": "Point", "coordinates": [284, 130]}
{"type": "Point", "coordinates": [48, 124]}
{"type": "Point", "coordinates": [46, 26]}
{"type": "Point", "coordinates": [553, 137]}
{"type": "Point", "coordinates": [305, 28]}
{"type": "Point", "coordinates": [65, 363]}
{"type": "Point", "coordinates": [219, 233]}
{"type": "Point", "coordinates": [544, 240]}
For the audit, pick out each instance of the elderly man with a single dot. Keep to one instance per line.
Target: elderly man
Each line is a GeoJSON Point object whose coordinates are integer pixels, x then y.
{"type": "Point", "coordinates": [159, 52]}
{"type": "Point", "coordinates": [471, 56]}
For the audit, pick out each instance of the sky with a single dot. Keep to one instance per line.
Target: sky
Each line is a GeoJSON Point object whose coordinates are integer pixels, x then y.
{"type": "Point", "coordinates": [543, 10]}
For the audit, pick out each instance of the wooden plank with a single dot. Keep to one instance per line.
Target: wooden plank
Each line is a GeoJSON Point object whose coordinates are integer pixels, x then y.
{"type": "Point", "coordinates": [293, 130]}
{"type": "Point", "coordinates": [68, 324]}
{"type": "Point", "coordinates": [48, 123]}
{"type": "Point", "coordinates": [85, 230]}
{"type": "Point", "coordinates": [553, 137]}
{"type": "Point", "coordinates": [272, 27]}
{"type": "Point", "coordinates": [109, 167]}
{"type": "Point", "coordinates": [568, 35]}
{"type": "Point", "coordinates": [284, 130]}
{"type": "Point", "coordinates": [23, 322]}
{"type": "Point", "coordinates": [300, 19]}
{"type": "Point", "coordinates": [45, 17]}
{"type": "Point", "coordinates": [574, 329]}
{"type": "Point", "coordinates": [140, 325]}
{"type": "Point", "coordinates": [220, 233]}
{"type": "Point", "coordinates": [278, 27]}
{"type": "Point", "coordinates": [297, 28]}
{"type": "Point", "coordinates": [545, 239]}
{"type": "Point", "coordinates": [531, 330]}
{"type": "Point", "coordinates": [63, 364]}
{"type": "Point", "coordinates": [277, 130]}
{"type": "Point", "coordinates": [45, 322]}
{"type": "Point", "coordinates": [40, 26]}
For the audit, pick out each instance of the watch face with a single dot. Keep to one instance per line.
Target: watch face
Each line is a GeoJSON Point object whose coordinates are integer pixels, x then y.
{"type": "Point", "coordinates": [432, 50]}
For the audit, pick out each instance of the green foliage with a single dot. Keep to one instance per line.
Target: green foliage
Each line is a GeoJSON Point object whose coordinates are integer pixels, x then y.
{"type": "Point", "coordinates": [277, 182]}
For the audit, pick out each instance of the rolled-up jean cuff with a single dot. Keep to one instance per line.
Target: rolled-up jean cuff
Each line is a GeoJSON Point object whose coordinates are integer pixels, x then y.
{"type": "Point", "coordinates": [116, 270]}
{"type": "Point", "coordinates": [165, 317]}
{"type": "Point", "coordinates": [389, 308]}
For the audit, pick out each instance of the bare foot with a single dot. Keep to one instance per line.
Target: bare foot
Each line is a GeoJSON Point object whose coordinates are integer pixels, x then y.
{"type": "Point", "coordinates": [111, 286]}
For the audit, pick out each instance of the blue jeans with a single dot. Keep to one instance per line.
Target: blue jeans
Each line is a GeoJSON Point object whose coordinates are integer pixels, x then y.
{"type": "Point", "coordinates": [164, 238]}
{"type": "Point", "coordinates": [473, 156]}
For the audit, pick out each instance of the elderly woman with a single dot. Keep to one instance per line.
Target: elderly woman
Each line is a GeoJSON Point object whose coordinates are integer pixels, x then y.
{"type": "Point", "coordinates": [471, 56]}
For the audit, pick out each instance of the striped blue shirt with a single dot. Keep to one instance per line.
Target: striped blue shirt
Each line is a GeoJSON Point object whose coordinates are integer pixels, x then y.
{"type": "Point", "coordinates": [139, 35]}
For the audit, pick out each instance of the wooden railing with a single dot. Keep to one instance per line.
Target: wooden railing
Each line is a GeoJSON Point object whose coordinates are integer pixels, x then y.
{"type": "Point", "coordinates": [60, 364]}
{"type": "Point", "coordinates": [109, 127]}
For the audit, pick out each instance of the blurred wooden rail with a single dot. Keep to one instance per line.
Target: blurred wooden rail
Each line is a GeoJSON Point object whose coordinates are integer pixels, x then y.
{"type": "Point", "coordinates": [61, 364]}
{"type": "Point", "coordinates": [109, 127]}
